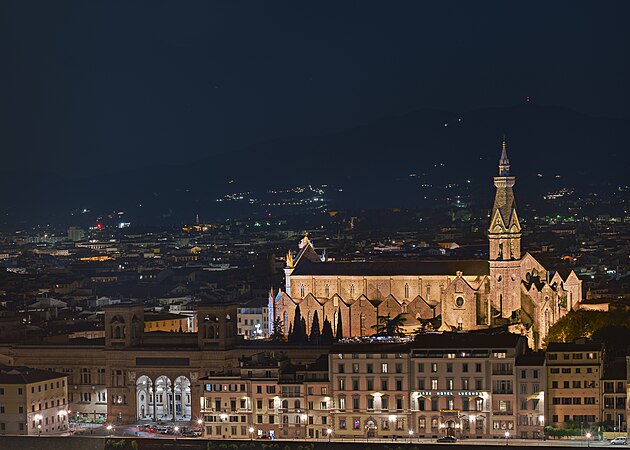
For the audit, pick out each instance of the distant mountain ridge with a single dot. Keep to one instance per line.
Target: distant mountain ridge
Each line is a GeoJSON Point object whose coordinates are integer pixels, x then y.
{"type": "Point", "coordinates": [372, 162]}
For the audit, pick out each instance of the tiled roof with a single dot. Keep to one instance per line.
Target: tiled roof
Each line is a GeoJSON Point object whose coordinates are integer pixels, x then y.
{"type": "Point", "coordinates": [393, 268]}
{"type": "Point", "coordinates": [25, 375]}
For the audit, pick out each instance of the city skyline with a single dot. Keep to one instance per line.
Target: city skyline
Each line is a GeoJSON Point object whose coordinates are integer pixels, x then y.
{"type": "Point", "coordinates": [304, 226]}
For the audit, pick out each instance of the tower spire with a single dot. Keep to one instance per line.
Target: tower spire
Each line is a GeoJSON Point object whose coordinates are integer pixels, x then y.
{"type": "Point", "coordinates": [504, 162]}
{"type": "Point", "coordinates": [505, 229]}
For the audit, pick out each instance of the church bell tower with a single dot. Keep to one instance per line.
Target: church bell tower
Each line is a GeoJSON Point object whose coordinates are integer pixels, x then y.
{"type": "Point", "coordinates": [504, 234]}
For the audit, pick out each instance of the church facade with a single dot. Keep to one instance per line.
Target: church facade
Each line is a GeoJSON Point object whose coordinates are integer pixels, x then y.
{"type": "Point", "coordinates": [510, 289]}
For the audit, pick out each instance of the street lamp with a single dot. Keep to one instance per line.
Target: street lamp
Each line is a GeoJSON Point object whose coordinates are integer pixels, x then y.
{"type": "Point", "coordinates": [251, 433]}
{"type": "Point", "coordinates": [507, 436]}
{"type": "Point", "coordinates": [329, 433]}
{"type": "Point", "coordinates": [410, 435]}
{"type": "Point", "coordinates": [109, 427]}
{"type": "Point", "coordinates": [63, 413]}
{"type": "Point", "coordinates": [176, 430]}
{"type": "Point", "coordinates": [38, 418]}
{"type": "Point", "coordinates": [588, 437]}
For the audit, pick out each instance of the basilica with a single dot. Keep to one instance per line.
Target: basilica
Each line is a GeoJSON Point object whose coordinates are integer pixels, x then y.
{"type": "Point", "coordinates": [510, 290]}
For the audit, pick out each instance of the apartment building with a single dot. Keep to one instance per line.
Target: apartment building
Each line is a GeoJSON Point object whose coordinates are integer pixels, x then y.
{"type": "Point", "coordinates": [464, 384]}
{"type": "Point", "coordinates": [614, 401]}
{"type": "Point", "coordinates": [573, 391]}
{"type": "Point", "coordinates": [531, 383]}
{"type": "Point", "coordinates": [32, 401]}
{"type": "Point", "coordinates": [456, 384]}
{"type": "Point", "coordinates": [370, 382]}
{"type": "Point", "coordinates": [267, 396]}
{"type": "Point", "coordinates": [253, 321]}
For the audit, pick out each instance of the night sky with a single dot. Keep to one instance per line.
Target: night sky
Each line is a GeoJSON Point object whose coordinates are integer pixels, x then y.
{"type": "Point", "coordinates": [123, 83]}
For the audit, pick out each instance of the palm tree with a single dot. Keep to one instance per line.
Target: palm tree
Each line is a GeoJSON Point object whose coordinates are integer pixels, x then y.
{"type": "Point", "coordinates": [390, 326]}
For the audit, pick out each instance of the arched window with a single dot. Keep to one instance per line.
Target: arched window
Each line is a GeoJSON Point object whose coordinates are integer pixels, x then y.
{"type": "Point", "coordinates": [302, 290]}
{"type": "Point", "coordinates": [117, 333]}
{"type": "Point", "coordinates": [406, 290]}
{"type": "Point", "coordinates": [285, 404]}
{"type": "Point", "coordinates": [297, 404]}
{"type": "Point", "coordinates": [352, 290]}
{"type": "Point", "coordinates": [327, 290]}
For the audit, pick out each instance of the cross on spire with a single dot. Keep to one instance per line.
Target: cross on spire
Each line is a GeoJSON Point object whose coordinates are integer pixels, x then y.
{"type": "Point", "coordinates": [504, 162]}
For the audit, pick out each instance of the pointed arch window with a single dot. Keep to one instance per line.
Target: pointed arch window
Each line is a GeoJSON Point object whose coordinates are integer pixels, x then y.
{"type": "Point", "coordinates": [406, 290]}
{"type": "Point", "coordinates": [302, 290]}
{"type": "Point", "coordinates": [547, 324]}
{"type": "Point", "coordinates": [352, 290]}
{"type": "Point", "coordinates": [361, 322]}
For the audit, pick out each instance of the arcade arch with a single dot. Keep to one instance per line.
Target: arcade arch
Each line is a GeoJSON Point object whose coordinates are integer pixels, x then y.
{"type": "Point", "coordinates": [159, 398]}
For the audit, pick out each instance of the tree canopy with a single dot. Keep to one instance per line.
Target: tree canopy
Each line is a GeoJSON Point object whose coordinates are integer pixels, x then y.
{"type": "Point", "coordinates": [278, 330]}
{"type": "Point", "coordinates": [583, 323]}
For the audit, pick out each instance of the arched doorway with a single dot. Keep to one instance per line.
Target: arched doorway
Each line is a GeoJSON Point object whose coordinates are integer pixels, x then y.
{"type": "Point", "coordinates": [450, 428]}
{"type": "Point", "coordinates": [370, 428]}
{"type": "Point", "coordinates": [144, 398]}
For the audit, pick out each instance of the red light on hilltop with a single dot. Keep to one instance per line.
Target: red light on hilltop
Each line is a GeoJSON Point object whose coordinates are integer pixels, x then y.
{"type": "Point", "coordinates": [99, 225]}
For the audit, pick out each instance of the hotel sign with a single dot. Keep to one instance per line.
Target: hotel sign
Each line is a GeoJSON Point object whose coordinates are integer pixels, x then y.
{"type": "Point", "coordinates": [450, 393]}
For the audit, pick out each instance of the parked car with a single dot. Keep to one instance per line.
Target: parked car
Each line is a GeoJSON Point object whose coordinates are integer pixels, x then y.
{"type": "Point", "coordinates": [447, 439]}
{"type": "Point", "coordinates": [621, 440]}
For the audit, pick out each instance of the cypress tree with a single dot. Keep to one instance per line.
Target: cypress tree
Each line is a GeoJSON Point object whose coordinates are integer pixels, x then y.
{"type": "Point", "coordinates": [339, 325]}
{"type": "Point", "coordinates": [327, 333]}
{"type": "Point", "coordinates": [315, 331]}
{"type": "Point", "coordinates": [297, 327]}
{"type": "Point", "coordinates": [303, 335]}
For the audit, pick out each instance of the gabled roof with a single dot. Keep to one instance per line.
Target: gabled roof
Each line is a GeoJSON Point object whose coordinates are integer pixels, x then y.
{"type": "Point", "coordinates": [307, 253]}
